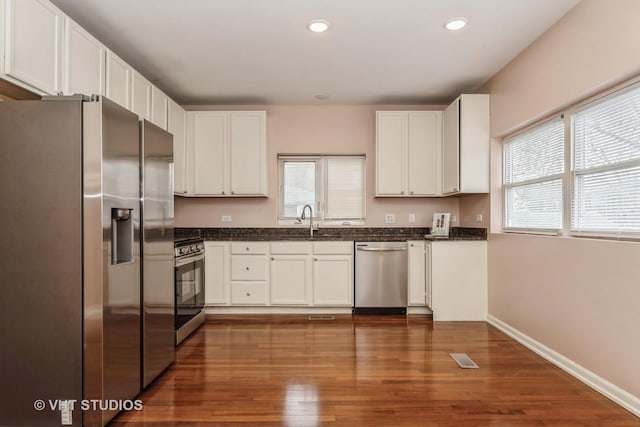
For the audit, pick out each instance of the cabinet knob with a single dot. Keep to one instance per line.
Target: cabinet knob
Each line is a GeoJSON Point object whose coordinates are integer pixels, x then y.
{"type": "Point", "coordinates": [273, 259]}
{"type": "Point", "coordinates": [247, 268]}
{"type": "Point", "coordinates": [315, 259]}
{"type": "Point", "coordinates": [184, 192]}
{"type": "Point", "coordinates": [248, 294]}
{"type": "Point", "coordinates": [411, 192]}
{"type": "Point", "coordinates": [402, 192]}
{"type": "Point", "coordinates": [233, 192]}
{"type": "Point", "coordinates": [412, 245]}
{"type": "Point", "coordinates": [223, 193]}
{"type": "Point", "coordinates": [247, 248]}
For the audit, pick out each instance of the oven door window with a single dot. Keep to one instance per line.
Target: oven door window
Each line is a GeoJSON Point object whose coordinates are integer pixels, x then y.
{"type": "Point", "coordinates": [189, 290]}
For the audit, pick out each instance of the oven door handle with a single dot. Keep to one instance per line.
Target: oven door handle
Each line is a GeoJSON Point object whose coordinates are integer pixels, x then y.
{"type": "Point", "coordinates": [187, 260]}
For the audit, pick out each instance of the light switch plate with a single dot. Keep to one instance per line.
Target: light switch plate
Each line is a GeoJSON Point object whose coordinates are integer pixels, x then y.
{"type": "Point", "coordinates": [412, 218]}
{"type": "Point", "coordinates": [390, 218]}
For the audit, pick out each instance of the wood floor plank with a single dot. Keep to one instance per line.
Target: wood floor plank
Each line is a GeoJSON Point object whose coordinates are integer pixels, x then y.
{"type": "Point", "coordinates": [364, 371]}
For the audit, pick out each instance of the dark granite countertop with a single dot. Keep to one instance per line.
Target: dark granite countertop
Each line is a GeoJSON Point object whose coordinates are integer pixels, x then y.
{"type": "Point", "coordinates": [328, 234]}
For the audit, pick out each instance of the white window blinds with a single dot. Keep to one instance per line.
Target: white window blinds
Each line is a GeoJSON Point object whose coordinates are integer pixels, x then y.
{"type": "Point", "coordinates": [606, 165]}
{"type": "Point", "coordinates": [345, 188]}
{"type": "Point", "coordinates": [333, 185]}
{"type": "Point", "coordinates": [533, 169]}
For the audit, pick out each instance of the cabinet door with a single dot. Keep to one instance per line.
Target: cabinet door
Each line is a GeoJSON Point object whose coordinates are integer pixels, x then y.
{"type": "Point", "coordinates": [424, 141]}
{"type": "Point", "coordinates": [459, 280]}
{"type": "Point", "coordinates": [207, 135]}
{"type": "Point", "coordinates": [118, 83]}
{"type": "Point", "coordinates": [177, 121]}
{"type": "Point", "coordinates": [217, 289]}
{"type": "Point", "coordinates": [417, 279]}
{"type": "Point", "coordinates": [390, 153]}
{"type": "Point", "coordinates": [248, 165]}
{"type": "Point", "coordinates": [141, 96]}
{"type": "Point", "coordinates": [33, 44]}
{"type": "Point", "coordinates": [159, 106]}
{"type": "Point", "coordinates": [451, 149]}
{"type": "Point", "coordinates": [84, 61]}
{"type": "Point", "coordinates": [290, 279]}
{"type": "Point", "coordinates": [333, 280]}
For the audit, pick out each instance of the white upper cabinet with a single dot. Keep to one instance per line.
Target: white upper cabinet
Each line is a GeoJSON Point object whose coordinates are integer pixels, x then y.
{"type": "Point", "coordinates": [141, 96]}
{"type": "Point", "coordinates": [84, 61]}
{"type": "Point", "coordinates": [391, 153]}
{"type": "Point", "coordinates": [465, 147]}
{"type": "Point", "coordinates": [206, 141]}
{"type": "Point", "coordinates": [248, 153]}
{"type": "Point", "coordinates": [177, 125]}
{"type": "Point", "coordinates": [227, 153]}
{"type": "Point", "coordinates": [408, 153]}
{"type": "Point", "coordinates": [159, 107]}
{"type": "Point", "coordinates": [33, 44]}
{"type": "Point", "coordinates": [118, 80]}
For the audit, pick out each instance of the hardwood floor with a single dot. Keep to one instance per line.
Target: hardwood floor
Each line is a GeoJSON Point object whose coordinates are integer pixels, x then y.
{"type": "Point", "coordinates": [364, 371]}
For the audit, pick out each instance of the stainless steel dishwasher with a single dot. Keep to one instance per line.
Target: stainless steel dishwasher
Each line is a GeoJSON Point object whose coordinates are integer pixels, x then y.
{"type": "Point", "coordinates": [381, 278]}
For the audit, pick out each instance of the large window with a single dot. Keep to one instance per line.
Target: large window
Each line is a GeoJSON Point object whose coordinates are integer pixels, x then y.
{"type": "Point", "coordinates": [601, 189]}
{"type": "Point", "coordinates": [332, 185]}
{"type": "Point", "coordinates": [606, 165]}
{"type": "Point", "coordinates": [533, 168]}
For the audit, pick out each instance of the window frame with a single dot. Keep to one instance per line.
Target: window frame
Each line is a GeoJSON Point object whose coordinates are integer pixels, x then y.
{"type": "Point", "coordinates": [569, 174]}
{"type": "Point", "coordinates": [538, 180]}
{"type": "Point", "coordinates": [319, 210]}
{"type": "Point", "coordinates": [619, 166]}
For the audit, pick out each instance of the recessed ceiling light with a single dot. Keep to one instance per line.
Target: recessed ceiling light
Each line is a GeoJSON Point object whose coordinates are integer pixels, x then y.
{"type": "Point", "coordinates": [455, 24]}
{"type": "Point", "coordinates": [318, 25]}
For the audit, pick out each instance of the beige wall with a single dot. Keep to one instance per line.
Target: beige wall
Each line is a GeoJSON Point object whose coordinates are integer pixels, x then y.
{"type": "Point", "coordinates": [312, 130]}
{"type": "Point", "coordinates": [579, 297]}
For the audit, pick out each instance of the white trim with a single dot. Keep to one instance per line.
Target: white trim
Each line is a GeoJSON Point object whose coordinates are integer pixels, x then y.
{"type": "Point", "coordinates": [599, 384]}
{"type": "Point", "coordinates": [220, 310]}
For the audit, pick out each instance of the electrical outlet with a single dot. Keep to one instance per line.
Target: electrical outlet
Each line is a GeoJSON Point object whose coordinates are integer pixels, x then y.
{"type": "Point", "coordinates": [412, 218]}
{"type": "Point", "coordinates": [454, 218]}
{"type": "Point", "coordinates": [479, 218]}
{"type": "Point", "coordinates": [226, 218]}
{"type": "Point", "coordinates": [390, 218]}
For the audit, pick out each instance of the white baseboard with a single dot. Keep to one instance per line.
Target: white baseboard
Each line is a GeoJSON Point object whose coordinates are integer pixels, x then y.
{"type": "Point", "coordinates": [212, 311]}
{"type": "Point", "coordinates": [599, 384]}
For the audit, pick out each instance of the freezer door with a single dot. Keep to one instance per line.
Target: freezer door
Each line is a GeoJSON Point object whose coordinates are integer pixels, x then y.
{"type": "Point", "coordinates": [112, 255]}
{"type": "Point", "coordinates": [158, 291]}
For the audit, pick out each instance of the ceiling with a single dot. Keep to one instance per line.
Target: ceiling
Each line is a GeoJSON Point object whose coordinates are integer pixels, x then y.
{"type": "Point", "coordinates": [260, 51]}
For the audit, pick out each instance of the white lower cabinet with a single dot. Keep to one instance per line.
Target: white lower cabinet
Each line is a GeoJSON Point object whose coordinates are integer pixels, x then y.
{"type": "Point", "coordinates": [459, 280]}
{"type": "Point", "coordinates": [419, 286]}
{"type": "Point", "coordinates": [279, 274]}
{"type": "Point", "coordinates": [217, 279]}
{"type": "Point", "coordinates": [333, 274]}
{"type": "Point", "coordinates": [290, 268]}
{"type": "Point", "coordinates": [249, 277]}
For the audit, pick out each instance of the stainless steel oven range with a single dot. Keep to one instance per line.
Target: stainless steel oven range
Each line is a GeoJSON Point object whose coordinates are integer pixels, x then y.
{"type": "Point", "coordinates": [189, 280]}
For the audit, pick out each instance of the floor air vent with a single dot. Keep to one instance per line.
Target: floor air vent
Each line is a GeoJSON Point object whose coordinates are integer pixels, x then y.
{"type": "Point", "coordinates": [463, 360]}
{"type": "Point", "coordinates": [321, 317]}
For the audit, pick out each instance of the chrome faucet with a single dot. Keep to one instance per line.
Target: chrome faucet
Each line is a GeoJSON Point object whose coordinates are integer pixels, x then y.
{"type": "Point", "coordinates": [310, 218]}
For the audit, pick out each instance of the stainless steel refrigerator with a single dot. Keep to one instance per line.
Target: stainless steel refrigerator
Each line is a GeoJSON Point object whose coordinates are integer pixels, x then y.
{"type": "Point", "coordinates": [69, 260]}
{"type": "Point", "coordinates": [158, 290]}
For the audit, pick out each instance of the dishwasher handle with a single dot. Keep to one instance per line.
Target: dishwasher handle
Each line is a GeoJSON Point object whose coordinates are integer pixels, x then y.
{"type": "Point", "coordinates": [363, 248]}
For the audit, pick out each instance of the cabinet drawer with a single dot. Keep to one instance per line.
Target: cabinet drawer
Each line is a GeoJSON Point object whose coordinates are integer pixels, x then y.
{"type": "Point", "coordinates": [249, 248]}
{"type": "Point", "coordinates": [333, 248]}
{"type": "Point", "coordinates": [290, 248]}
{"type": "Point", "coordinates": [249, 267]}
{"type": "Point", "coordinates": [249, 293]}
